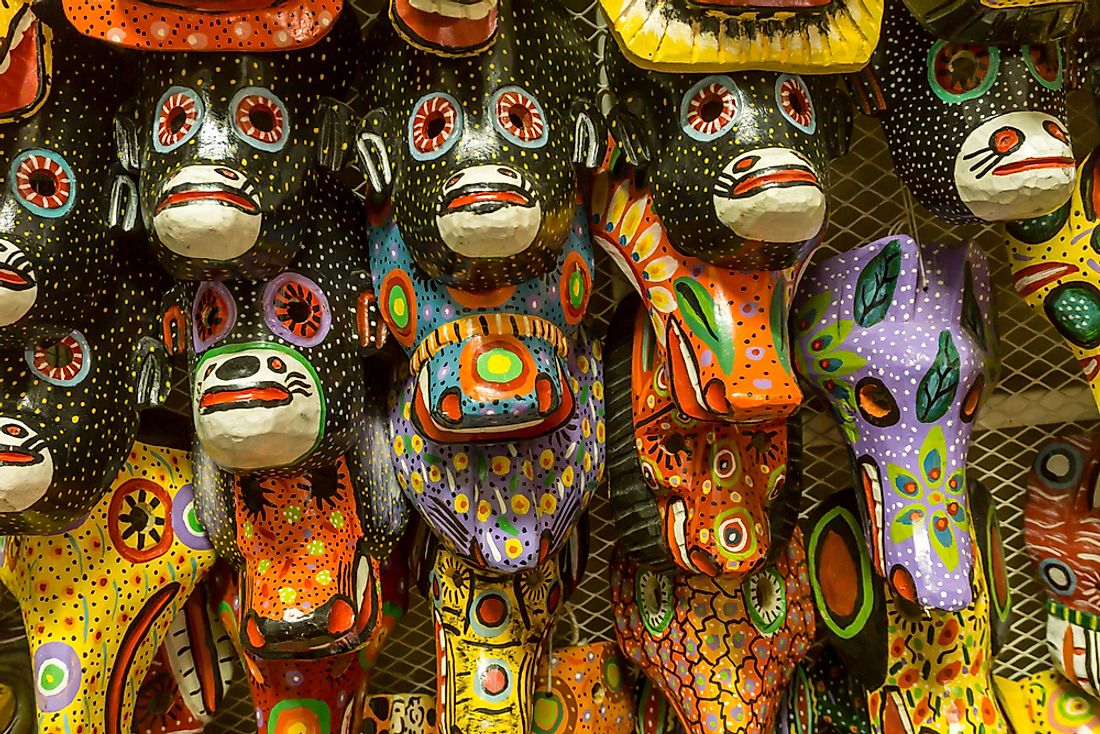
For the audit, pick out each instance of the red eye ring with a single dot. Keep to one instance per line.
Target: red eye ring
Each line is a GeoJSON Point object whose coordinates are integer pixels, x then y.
{"type": "Point", "coordinates": [213, 315]}
{"type": "Point", "coordinates": [792, 96]}
{"type": "Point", "coordinates": [44, 183]}
{"type": "Point", "coordinates": [296, 309]}
{"type": "Point", "coordinates": [434, 126]}
{"type": "Point", "coordinates": [260, 118]}
{"type": "Point", "coordinates": [519, 117]}
{"type": "Point", "coordinates": [179, 116]}
{"type": "Point", "coordinates": [709, 109]}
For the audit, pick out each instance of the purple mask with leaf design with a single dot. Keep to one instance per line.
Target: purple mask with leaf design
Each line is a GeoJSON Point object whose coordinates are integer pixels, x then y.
{"type": "Point", "coordinates": [902, 355]}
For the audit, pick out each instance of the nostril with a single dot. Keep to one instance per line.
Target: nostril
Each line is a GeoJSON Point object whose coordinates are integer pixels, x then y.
{"type": "Point", "coordinates": [1006, 140]}
{"type": "Point", "coordinates": [1055, 131]}
{"type": "Point", "coordinates": [238, 368]}
{"type": "Point", "coordinates": [507, 172]}
{"type": "Point", "coordinates": [452, 180]}
{"type": "Point", "coordinates": [227, 173]}
{"type": "Point", "coordinates": [746, 163]}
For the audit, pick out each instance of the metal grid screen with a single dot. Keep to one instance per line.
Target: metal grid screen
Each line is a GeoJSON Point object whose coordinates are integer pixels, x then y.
{"type": "Point", "coordinates": [1041, 392]}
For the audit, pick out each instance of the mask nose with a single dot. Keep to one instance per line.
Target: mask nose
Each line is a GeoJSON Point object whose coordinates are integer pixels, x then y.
{"type": "Point", "coordinates": [238, 368]}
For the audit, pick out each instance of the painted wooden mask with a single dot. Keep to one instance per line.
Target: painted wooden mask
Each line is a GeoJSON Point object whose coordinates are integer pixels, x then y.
{"type": "Point", "coordinates": [26, 50]}
{"type": "Point", "coordinates": [1048, 259]}
{"type": "Point", "coordinates": [1045, 702]}
{"type": "Point", "coordinates": [995, 21]}
{"type": "Point", "coordinates": [291, 482]}
{"type": "Point", "coordinates": [229, 151]}
{"type": "Point", "coordinates": [584, 689]}
{"type": "Point", "coordinates": [823, 698]}
{"type": "Point", "coordinates": [723, 649]}
{"type": "Point", "coordinates": [710, 492]}
{"type": "Point", "coordinates": [201, 25]}
{"type": "Point", "coordinates": [400, 713]}
{"type": "Point", "coordinates": [998, 110]}
{"type": "Point", "coordinates": [506, 506]}
{"type": "Point", "coordinates": [925, 670]}
{"type": "Point", "coordinates": [491, 631]}
{"type": "Point", "coordinates": [117, 580]}
{"type": "Point", "coordinates": [447, 27]}
{"type": "Point", "coordinates": [477, 156]}
{"type": "Point", "coordinates": [794, 36]}
{"type": "Point", "coordinates": [76, 306]}
{"type": "Point", "coordinates": [1061, 530]}
{"type": "Point", "coordinates": [901, 344]}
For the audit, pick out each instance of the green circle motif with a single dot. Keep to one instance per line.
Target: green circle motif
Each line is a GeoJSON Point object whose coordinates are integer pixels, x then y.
{"type": "Point", "coordinates": [499, 365]}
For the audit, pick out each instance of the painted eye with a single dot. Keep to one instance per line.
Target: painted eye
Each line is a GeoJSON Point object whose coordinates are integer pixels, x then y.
{"type": "Point", "coordinates": [185, 520]}
{"type": "Point", "coordinates": [724, 465]}
{"type": "Point", "coordinates": [494, 681]}
{"type": "Point", "coordinates": [1058, 577]}
{"type": "Point", "coordinates": [962, 71]}
{"type": "Point", "coordinates": [435, 126]}
{"type": "Point", "coordinates": [519, 117]}
{"type": "Point", "coordinates": [64, 363]}
{"type": "Point", "coordinates": [710, 108]}
{"type": "Point", "coordinates": [1045, 64]}
{"type": "Point", "coordinates": [295, 308]}
{"type": "Point", "coordinates": [736, 538]}
{"type": "Point", "coordinates": [1059, 465]}
{"type": "Point", "coordinates": [179, 116]}
{"type": "Point", "coordinates": [260, 118]}
{"type": "Point", "coordinates": [655, 597]}
{"type": "Point", "coordinates": [139, 520]}
{"type": "Point", "coordinates": [213, 315]}
{"type": "Point", "coordinates": [44, 183]}
{"type": "Point", "coordinates": [57, 675]}
{"type": "Point", "coordinates": [792, 97]}
{"type": "Point", "coordinates": [876, 403]}
{"type": "Point", "coordinates": [490, 614]}
{"type": "Point", "coordinates": [766, 600]}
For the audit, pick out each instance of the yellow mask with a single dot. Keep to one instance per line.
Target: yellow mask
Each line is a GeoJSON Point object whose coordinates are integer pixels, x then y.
{"type": "Point", "coordinates": [1046, 703]}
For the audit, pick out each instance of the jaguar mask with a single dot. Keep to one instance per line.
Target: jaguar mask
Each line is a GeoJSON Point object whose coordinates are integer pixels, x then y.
{"type": "Point", "coordinates": [230, 150]}
{"type": "Point", "coordinates": [722, 649]}
{"type": "Point", "coordinates": [998, 111]}
{"type": "Point", "coordinates": [924, 670]}
{"type": "Point", "coordinates": [901, 344]}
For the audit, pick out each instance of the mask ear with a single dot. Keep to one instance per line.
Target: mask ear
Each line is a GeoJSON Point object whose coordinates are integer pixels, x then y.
{"type": "Point", "coordinates": [838, 108]}
{"type": "Point", "coordinates": [335, 130]}
{"type": "Point", "coordinates": [152, 373]}
{"type": "Point", "coordinates": [866, 90]}
{"type": "Point", "coordinates": [630, 134]}
{"type": "Point", "coordinates": [987, 528]}
{"type": "Point", "coordinates": [373, 145]}
{"type": "Point", "coordinates": [372, 330]}
{"type": "Point", "coordinates": [589, 135]}
{"type": "Point", "coordinates": [122, 212]}
{"type": "Point", "coordinates": [128, 137]}
{"type": "Point", "coordinates": [173, 320]}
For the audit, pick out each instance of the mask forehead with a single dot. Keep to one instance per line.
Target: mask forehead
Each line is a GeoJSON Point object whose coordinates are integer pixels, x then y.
{"type": "Point", "coordinates": [870, 324]}
{"type": "Point", "coordinates": [195, 25]}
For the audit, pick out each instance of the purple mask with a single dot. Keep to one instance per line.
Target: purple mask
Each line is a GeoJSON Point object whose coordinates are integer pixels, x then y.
{"type": "Point", "coordinates": [506, 506]}
{"type": "Point", "coordinates": [902, 356]}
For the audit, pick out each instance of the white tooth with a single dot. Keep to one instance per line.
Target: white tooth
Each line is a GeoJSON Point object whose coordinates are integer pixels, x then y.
{"type": "Point", "coordinates": [679, 526]}
{"type": "Point", "coordinates": [362, 577]}
{"type": "Point", "coordinates": [177, 645]}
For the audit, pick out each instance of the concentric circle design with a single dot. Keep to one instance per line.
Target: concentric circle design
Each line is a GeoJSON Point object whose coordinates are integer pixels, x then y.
{"type": "Point", "coordinates": [575, 287]}
{"type": "Point", "coordinates": [655, 597]}
{"type": "Point", "coordinates": [260, 118]}
{"type": "Point", "coordinates": [57, 676]}
{"type": "Point", "coordinates": [398, 302]}
{"type": "Point", "coordinates": [766, 600]}
{"type": "Point", "coordinates": [64, 363]}
{"type": "Point", "coordinates": [185, 520]}
{"type": "Point", "coordinates": [489, 614]}
{"type": "Point", "coordinates": [493, 680]}
{"type": "Point", "coordinates": [296, 309]}
{"type": "Point", "coordinates": [138, 520]}
{"type": "Point", "coordinates": [213, 314]}
{"type": "Point", "coordinates": [179, 115]}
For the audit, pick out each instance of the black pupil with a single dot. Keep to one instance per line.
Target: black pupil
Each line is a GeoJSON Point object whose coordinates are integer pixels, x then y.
{"type": "Point", "coordinates": [177, 118]}
{"type": "Point", "coordinates": [798, 104]}
{"type": "Point", "coordinates": [711, 109]}
{"type": "Point", "coordinates": [59, 355]}
{"type": "Point", "coordinates": [43, 183]}
{"type": "Point", "coordinates": [262, 119]}
{"type": "Point", "coordinates": [435, 125]}
{"type": "Point", "coordinates": [963, 66]}
{"type": "Point", "coordinates": [519, 116]}
{"type": "Point", "coordinates": [298, 310]}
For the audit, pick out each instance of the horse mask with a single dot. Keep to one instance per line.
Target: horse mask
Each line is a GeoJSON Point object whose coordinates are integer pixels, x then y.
{"type": "Point", "coordinates": [197, 25]}
{"type": "Point", "coordinates": [998, 110]}
{"type": "Point", "coordinates": [705, 497]}
{"type": "Point", "coordinates": [734, 170]}
{"type": "Point", "coordinates": [76, 307]}
{"type": "Point", "coordinates": [491, 631]}
{"type": "Point", "coordinates": [902, 345]}
{"type": "Point", "coordinates": [290, 479]}
{"type": "Point", "coordinates": [924, 670]}
{"type": "Point", "coordinates": [722, 649]}
{"type": "Point", "coordinates": [1062, 531]}
{"type": "Point", "coordinates": [1049, 259]}
{"type": "Point", "coordinates": [229, 150]}
{"type": "Point", "coordinates": [26, 50]}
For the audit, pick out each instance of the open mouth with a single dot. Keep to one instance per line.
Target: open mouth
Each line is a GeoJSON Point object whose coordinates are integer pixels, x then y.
{"type": "Point", "coordinates": [13, 456]}
{"type": "Point", "coordinates": [205, 193]}
{"type": "Point", "coordinates": [23, 76]}
{"type": "Point", "coordinates": [264, 395]}
{"type": "Point", "coordinates": [484, 198]}
{"type": "Point", "coordinates": [1034, 164]}
{"type": "Point", "coordinates": [773, 177]}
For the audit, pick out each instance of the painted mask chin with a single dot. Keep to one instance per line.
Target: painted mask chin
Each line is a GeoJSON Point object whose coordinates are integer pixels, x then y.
{"type": "Point", "coordinates": [18, 285]}
{"type": "Point", "coordinates": [257, 406]}
{"type": "Point", "coordinates": [478, 10]}
{"type": "Point", "coordinates": [1072, 639]}
{"type": "Point", "coordinates": [1015, 166]}
{"type": "Point", "coordinates": [770, 195]}
{"type": "Point", "coordinates": [208, 212]}
{"type": "Point", "coordinates": [488, 212]}
{"type": "Point", "coordinates": [26, 466]}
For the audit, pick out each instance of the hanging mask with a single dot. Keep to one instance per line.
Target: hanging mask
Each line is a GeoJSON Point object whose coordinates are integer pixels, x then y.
{"type": "Point", "coordinates": [1061, 526]}
{"type": "Point", "coordinates": [400, 713]}
{"type": "Point", "coordinates": [447, 27]}
{"type": "Point", "coordinates": [114, 588]}
{"type": "Point", "coordinates": [491, 630]}
{"type": "Point", "coordinates": [806, 37]}
{"type": "Point", "coordinates": [998, 110]}
{"type": "Point", "coordinates": [1048, 259]}
{"type": "Point", "coordinates": [1046, 703]}
{"type": "Point", "coordinates": [76, 306]}
{"type": "Point", "coordinates": [925, 670]}
{"type": "Point", "coordinates": [823, 698]}
{"type": "Point", "coordinates": [722, 650]}
{"type": "Point", "coordinates": [506, 506]}
{"type": "Point", "coordinates": [584, 689]}
{"type": "Point", "coordinates": [229, 150]}
{"type": "Point", "coordinates": [902, 345]}
{"type": "Point", "coordinates": [290, 481]}
{"type": "Point", "coordinates": [478, 156]}
{"type": "Point", "coordinates": [26, 50]}
{"type": "Point", "coordinates": [709, 492]}
{"type": "Point", "coordinates": [201, 25]}
{"type": "Point", "coordinates": [995, 21]}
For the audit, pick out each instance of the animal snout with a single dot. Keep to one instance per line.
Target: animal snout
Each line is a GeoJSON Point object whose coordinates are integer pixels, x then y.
{"type": "Point", "coordinates": [238, 368]}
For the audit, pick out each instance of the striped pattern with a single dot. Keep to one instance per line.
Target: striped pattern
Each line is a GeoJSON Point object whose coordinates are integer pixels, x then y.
{"type": "Point", "coordinates": [496, 324]}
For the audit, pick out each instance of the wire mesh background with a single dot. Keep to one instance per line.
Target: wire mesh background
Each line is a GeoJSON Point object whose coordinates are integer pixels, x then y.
{"type": "Point", "coordinates": [1041, 393]}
